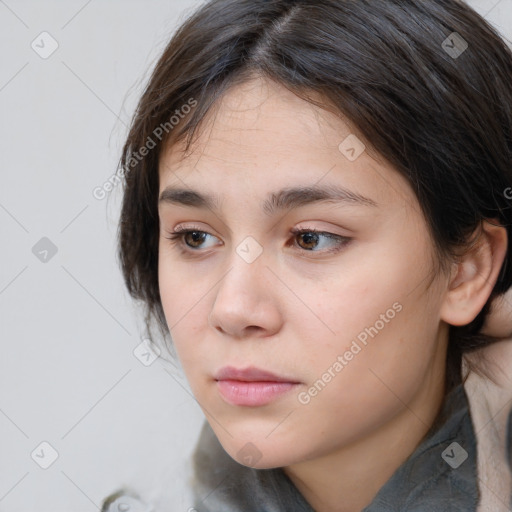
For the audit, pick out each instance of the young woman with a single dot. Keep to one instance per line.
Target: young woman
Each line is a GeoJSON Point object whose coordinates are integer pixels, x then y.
{"type": "Point", "coordinates": [316, 213]}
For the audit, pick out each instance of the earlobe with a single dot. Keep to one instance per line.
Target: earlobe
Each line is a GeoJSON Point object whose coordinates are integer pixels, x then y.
{"type": "Point", "coordinates": [474, 275]}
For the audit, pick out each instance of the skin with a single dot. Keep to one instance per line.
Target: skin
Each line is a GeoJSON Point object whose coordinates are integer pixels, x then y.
{"type": "Point", "coordinates": [296, 307]}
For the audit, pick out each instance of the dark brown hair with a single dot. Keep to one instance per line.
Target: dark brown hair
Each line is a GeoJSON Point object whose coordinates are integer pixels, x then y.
{"type": "Point", "coordinates": [438, 111]}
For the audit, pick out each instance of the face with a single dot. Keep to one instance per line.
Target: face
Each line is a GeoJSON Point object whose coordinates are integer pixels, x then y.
{"type": "Point", "coordinates": [332, 297]}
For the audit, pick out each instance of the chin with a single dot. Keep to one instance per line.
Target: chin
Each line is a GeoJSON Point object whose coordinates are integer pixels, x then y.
{"type": "Point", "coordinates": [254, 454]}
{"type": "Point", "coordinates": [263, 463]}
{"type": "Point", "coordinates": [255, 442]}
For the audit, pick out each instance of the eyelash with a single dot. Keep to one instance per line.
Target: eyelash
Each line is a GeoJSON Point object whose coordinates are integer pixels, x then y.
{"type": "Point", "coordinates": [177, 238]}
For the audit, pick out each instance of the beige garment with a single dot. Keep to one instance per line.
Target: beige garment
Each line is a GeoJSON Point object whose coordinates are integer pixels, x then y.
{"type": "Point", "coordinates": [490, 404]}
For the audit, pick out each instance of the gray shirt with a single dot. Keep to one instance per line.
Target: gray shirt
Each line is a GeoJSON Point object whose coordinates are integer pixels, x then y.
{"type": "Point", "coordinates": [439, 476]}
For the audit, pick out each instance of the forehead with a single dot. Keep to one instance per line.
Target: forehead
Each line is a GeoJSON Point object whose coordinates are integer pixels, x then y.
{"type": "Point", "coordinates": [261, 137]}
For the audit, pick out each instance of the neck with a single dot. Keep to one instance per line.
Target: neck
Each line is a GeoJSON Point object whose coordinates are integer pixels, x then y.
{"type": "Point", "coordinates": [348, 479]}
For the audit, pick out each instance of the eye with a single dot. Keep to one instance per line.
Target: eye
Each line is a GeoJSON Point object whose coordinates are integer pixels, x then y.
{"type": "Point", "coordinates": [191, 240]}
{"type": "Point", "coordinates": [311, 237]}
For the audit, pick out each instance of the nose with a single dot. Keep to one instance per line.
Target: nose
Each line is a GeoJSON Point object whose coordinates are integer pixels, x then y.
{"type": "Point", "coordinates": [246, 302]}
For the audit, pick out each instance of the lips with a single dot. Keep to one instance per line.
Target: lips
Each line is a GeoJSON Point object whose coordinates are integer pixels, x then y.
{"type": "Point", "coordinates": [250, 374]}
{"type": "Point", "coordinates": [251, 387]}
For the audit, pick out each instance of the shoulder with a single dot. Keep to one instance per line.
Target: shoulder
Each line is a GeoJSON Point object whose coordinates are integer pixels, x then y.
{"type": "Point", "coordinates": [125, 501]}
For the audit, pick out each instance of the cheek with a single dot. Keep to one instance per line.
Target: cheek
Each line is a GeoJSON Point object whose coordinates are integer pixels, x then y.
{"type": "Point", "coordinates": [182, 306]}
{"type": "Point", "coordinates": [354, 303]}
{"type": "Point", "coordinates": [377, 320]}
{"type": "Point", "coordinates": [361, 385]}
{"type": "Point", "coordinates": [180, 289]}
{"type": "Point", "coordinates": [381, 279]}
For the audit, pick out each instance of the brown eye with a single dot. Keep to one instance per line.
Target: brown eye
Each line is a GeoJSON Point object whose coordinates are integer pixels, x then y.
{"type": "Point", "coordinates": [310, 239]}
{"type": "Point", "coordinates": [194, 237]}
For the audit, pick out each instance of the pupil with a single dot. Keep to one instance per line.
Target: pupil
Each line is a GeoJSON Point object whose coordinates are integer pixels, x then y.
{"type": "Point", "coordinates": [196, 236]}
{"type": "Point", "coordinates": [309, 238]}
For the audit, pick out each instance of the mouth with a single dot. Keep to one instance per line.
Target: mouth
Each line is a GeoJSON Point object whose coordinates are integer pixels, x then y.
{"type": "Point", "coordinates": [251, 387]}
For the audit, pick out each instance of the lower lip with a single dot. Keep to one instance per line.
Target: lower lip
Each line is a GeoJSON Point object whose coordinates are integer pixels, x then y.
{"type": "Point", "coordinates": [253, 394]}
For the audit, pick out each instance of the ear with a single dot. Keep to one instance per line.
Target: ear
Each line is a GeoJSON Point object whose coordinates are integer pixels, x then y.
{"type": "Point", "coordinates": [475, 274]}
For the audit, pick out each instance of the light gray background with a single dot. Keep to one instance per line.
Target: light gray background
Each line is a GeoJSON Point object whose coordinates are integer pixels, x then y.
{"type": "Point", "coordinates": [68, 328]}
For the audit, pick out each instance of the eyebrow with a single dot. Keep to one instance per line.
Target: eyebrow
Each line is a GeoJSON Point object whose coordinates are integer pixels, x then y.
{"type": "Point", "coordinates": [285, 199]}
